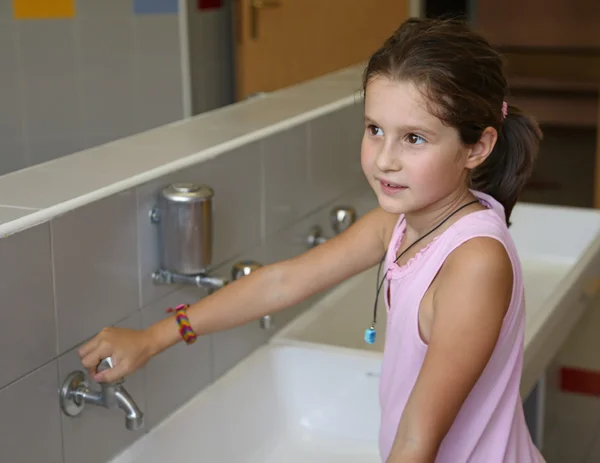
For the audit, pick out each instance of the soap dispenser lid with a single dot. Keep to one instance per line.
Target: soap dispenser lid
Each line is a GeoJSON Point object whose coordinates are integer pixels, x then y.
{"type": "Point", "coordinates": [188, 192]}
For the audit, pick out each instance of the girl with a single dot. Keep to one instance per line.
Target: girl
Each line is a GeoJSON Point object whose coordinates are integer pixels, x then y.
{"type": "Point", "coordinates": [447, 158]}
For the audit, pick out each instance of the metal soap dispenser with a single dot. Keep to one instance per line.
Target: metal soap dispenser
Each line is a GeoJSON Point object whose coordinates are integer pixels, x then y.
{"type": "Point", "coordinates": [185, 221]}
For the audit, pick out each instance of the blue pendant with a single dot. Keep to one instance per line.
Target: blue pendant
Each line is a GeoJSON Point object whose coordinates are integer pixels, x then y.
{"type": "Point", "coordinates": [370, 335]}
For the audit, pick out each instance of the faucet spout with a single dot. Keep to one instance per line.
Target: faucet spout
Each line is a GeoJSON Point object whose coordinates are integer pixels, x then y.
{"type": "Point", "coordinates": [212, 283]}
{"type": "Point", "coordinates": [202, 280]}
{"type": "Point", "coordinates": [134, 418]}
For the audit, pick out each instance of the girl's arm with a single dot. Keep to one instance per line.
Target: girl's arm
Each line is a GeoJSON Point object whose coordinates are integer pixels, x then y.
{"type": "Point", "coordinates": [472, 294]}
{"type": "Point", "coordinates": [265, 291]}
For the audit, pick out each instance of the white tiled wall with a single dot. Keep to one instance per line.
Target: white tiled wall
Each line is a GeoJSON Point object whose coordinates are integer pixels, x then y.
{"type": "Point", "coordinates": [109, 73]}
{"type": "Point", "coordinates": [95, 267]}
{"type": "Point", "coordinates": [27, 317]}
{"type": "Point", "coordinates": [65, 280]}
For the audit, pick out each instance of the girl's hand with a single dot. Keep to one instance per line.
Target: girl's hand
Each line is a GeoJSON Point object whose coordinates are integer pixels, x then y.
{"type": "Point", "coordinates": [129, 349]}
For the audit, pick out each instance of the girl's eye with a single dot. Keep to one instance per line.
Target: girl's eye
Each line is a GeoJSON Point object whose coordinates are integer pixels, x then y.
{"type": "Point", "coordinates": [415, 139]}
{"type": "Point", "coordinates": [374, 130]}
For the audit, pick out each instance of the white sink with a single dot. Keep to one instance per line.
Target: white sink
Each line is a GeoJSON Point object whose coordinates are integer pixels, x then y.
{"type": "Point", "coordinates": [281, 404]}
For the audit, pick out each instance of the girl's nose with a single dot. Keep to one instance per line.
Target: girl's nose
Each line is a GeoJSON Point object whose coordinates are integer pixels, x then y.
{"type": "Point", "coordinates": [386, 161]}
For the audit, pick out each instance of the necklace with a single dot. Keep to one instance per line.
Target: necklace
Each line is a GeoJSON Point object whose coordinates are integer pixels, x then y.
{"type": "Point", "coordinates": [370, 333]}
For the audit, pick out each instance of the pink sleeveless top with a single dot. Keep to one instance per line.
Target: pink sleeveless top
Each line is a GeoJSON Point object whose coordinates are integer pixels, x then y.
{"type": "Point", "coordinates": [490, 426]}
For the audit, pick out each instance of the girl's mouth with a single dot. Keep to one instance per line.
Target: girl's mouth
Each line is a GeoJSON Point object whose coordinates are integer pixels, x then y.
{"type": "Point", "coordinates": [390, 188]}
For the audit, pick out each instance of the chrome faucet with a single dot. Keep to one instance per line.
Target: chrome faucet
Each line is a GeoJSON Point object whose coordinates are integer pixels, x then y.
{"type": "Point", "coordinates": [75, 394]}
{"type": "Point", "coordinates": [341, 218]}
{"type": "Point", "coordinates": [202, 280]}
{"type": "Point", "coordinates": [246, 267]}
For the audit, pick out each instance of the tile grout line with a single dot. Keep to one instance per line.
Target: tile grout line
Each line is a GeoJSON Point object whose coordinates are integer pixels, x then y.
{"type": "Point", "coordinates": [43, 365]}
{"type": "Point", "coordinates": [55, 306]}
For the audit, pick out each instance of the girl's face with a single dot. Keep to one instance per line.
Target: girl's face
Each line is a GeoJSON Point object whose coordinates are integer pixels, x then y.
{"type": "Point", "coordinates": [411, 159]}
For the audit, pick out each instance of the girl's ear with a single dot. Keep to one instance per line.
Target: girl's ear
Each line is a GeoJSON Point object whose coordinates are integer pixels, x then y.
{"type": "Point", "coordinates": [481, 150]}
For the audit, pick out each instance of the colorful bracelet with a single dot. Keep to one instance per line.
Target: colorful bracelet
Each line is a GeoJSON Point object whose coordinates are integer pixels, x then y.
{"type": "Point", "coordinates": [185, 327]}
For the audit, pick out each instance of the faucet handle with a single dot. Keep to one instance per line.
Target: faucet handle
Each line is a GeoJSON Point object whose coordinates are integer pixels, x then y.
{"type": "Point", "coordinates": [246, 267]}
{"type": "Point", "coordinates": [106, 364]}
{"type": "Point", "coordinates": [243, 268]}
{"type": "Point", "coordinates": [341, 218]}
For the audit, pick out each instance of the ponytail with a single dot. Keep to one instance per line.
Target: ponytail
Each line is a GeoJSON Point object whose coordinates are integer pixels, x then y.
{"type": "Point", "coordinates": [507, 169]}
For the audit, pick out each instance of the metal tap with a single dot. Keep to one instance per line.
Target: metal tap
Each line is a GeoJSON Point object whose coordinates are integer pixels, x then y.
{"type": "Point", "coordinates": [246, 267]}
{"type": "Point", "coordinates": [201, 280]}
{"type": "Point", "coordinates": [75, 394]}
{"type": "Point", "coordinates": [341, 218]}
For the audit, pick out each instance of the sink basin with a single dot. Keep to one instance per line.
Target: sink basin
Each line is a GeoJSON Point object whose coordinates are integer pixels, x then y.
{"type": "Point", "coordinates": [281, 404]}
{"type": "Point", "coordinates": [559, 248]}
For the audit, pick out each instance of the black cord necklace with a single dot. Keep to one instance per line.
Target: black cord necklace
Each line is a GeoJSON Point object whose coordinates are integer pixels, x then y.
{"type": "Point", "coordinates": [370, 333]}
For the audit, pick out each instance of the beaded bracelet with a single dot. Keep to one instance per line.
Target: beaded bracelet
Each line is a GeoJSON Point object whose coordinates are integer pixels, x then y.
{"type": "Point", "coordinates": [185, 327]}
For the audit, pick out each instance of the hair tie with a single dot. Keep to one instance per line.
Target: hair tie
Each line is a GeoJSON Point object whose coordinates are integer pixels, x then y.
{"type": "Point", "coordinates": [504, 109]}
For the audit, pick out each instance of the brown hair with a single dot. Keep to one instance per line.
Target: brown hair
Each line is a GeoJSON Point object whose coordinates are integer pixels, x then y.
{"type": "Point", "coordinates": [462, 76]}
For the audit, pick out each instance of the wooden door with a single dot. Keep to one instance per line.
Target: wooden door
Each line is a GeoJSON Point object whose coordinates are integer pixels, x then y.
{"type": "Point", "coordinates": [280, 43]}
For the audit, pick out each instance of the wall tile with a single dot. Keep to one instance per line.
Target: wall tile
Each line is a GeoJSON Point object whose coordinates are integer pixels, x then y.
{"type": "Point", "coordinates": [158, 97]}
{"type": "Point", "coordinates": [6, 11]}
{"type": "Point", "coordinates": [30, 424]}
{"type": "Point", "coordinates": [290, 242]}
{"type": "Point", "coordinates": [12, 150]}
{"type": "Point", "coordinates": [334, 153]}
{"type": "Point", "coordinates": [93, 9]}
{"type": "Point", "coordinates": [52, 115]}
{"type": "Point", "coordinates": [98, 433]}
{"type": "Point", "coordinates": [105, 51]}
{"type": "Point", "coordinates": [95, 264]}
{"type": "Point", "coordinates": [235, 176]}
{"type": "Point", "coordinates": [177, 374]}
{"type": "Point", "coordinates": [155, 6]}
{"type": "Point", "coordinates": [232, 345]}
{"type": "Point", "coordinates": [284, 157]}
{"type": "Point", "coordinates": [27, 319]}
